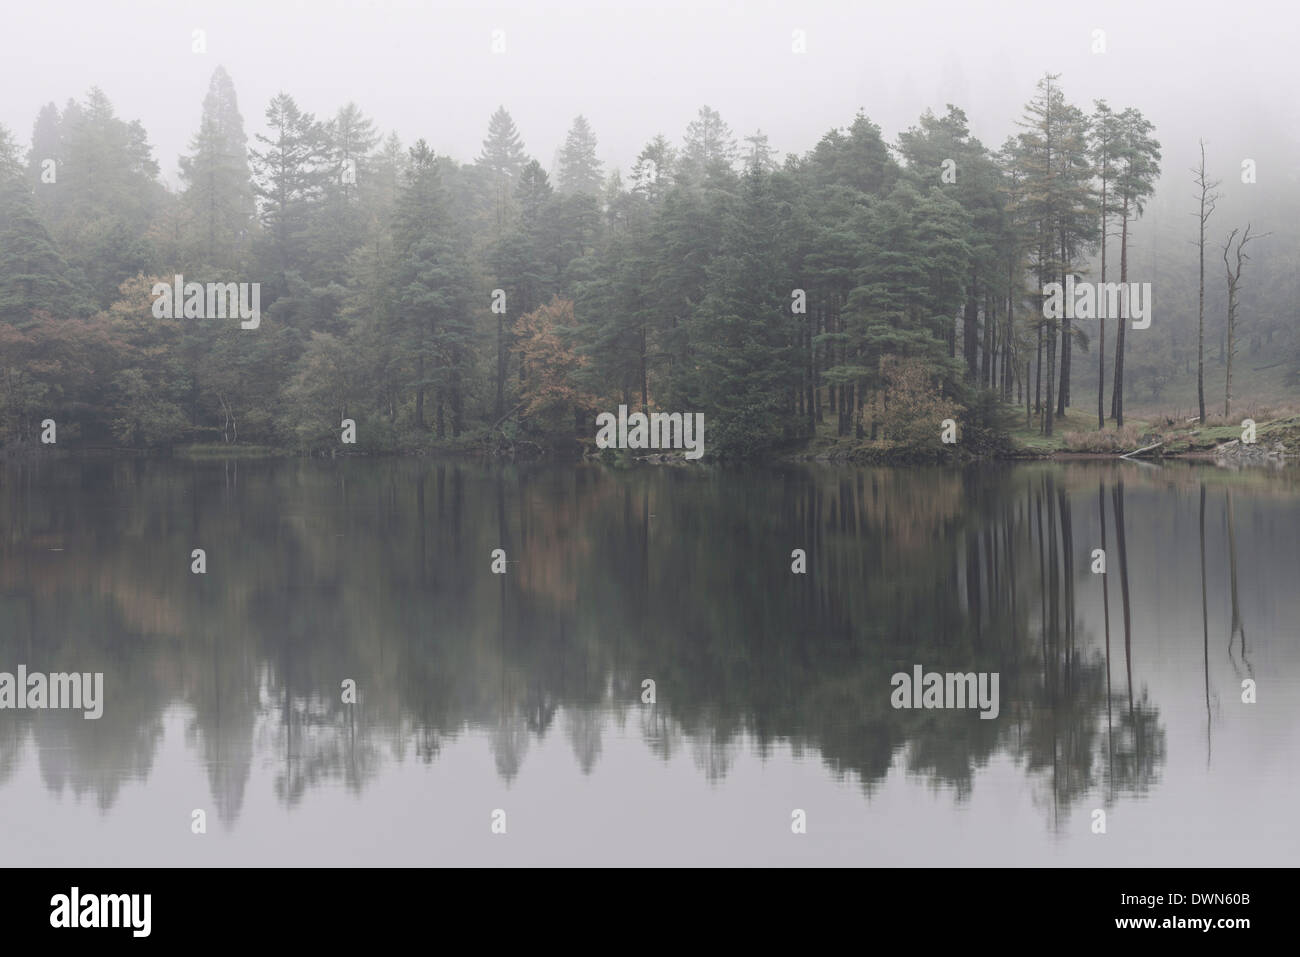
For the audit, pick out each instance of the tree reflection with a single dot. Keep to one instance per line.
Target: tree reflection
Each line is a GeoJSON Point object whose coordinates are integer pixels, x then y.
{"type": "Point", "coordinates": [379, 572]}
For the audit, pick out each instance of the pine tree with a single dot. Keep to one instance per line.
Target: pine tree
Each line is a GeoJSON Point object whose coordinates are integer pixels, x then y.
{"type": "Point", "coordinates": [218, 195]}
{"type": "Point", "coordinates": [915, 261]}
{"type": "Point", "coordinates": [503, 150]}
{"type": "Point", "coordinates": [1105, 141]}
{"type": "Point", "coordinates": [708, 148]}
{"type": "Point", "coordinates": [47, 148]}
{"type": "Point", "coordinates": [350, 137]}
{"type": "Point", "coordinates": [621, 318]}
{"type": "Point", "coordinates": [687, 236]}
{"type": "Point", "coordinates": [944, 144]}
{"type": "Point", "coordinates": [579, 170]}
{"type": "Point", "coordinates": [432, 284]}
{"type": "Point", "coordinates": [1077, 227]}
{"type": "Point", "coordinates": [1060, 205]}
{"type": "Point", "coordinates": [533, 193]}
{"type": "Point", "coordinates": [33, 274]}
{"type": "Point", "coordinates": [290, 176]}
{"type": "Point", "coordinates": [857, 157]}
{"type": "Point", "coordinates": [1139, 167]}
{"type": "Point", "coordinates": [518, 264]}
{"type": "Point", "coordinates": [10, 167]}
{"type": "Point", "coordinates": [745, 361]}
{"type": "Point", "coordinates": [380, 189]}
{"type": "Point", "coordinates": [653, 171]}
{"type": "Point", "coordinates": [760, 152]}
{"type": "Point", "coordinates": [107, 194]}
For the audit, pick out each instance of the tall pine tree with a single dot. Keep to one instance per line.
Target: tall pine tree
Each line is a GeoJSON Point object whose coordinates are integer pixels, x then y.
{"type": "Point", "coordinates": [579, 170]}
{"type": "Point", "coordinates": [218, 189]}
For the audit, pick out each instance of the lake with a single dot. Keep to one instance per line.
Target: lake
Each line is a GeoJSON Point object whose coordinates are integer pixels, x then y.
{"type": "Point", "coordinates": [526, 692]}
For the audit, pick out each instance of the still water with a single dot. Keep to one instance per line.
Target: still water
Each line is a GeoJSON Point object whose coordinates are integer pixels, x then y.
{"type": "Point", "coordinates": [523, 692]}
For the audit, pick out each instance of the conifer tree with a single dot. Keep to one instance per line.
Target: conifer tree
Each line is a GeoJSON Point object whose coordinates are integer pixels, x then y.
{"type": "Point", "coordinates": [579, 170]}
{"type": "Point", "coordinates": [33, 274]}
{"type": "Point", "coordinates": [433, 286]}
{"type": "Point", "coordinates": [503, 150]}
{"type": "Point", "coordinates": [709, 146]}
{"type": "Point", "coordinates": [1138, 154]}
{"type": "Point", "coordinates": [290, 174]}
{"type": "Point", "coordinates": [218, 190]}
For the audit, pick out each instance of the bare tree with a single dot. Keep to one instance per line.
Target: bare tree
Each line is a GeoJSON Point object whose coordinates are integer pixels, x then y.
{"type": "Point", "coordinates": [1234, 287]}
{"type": "Point", "coordinates": [1208, 199]}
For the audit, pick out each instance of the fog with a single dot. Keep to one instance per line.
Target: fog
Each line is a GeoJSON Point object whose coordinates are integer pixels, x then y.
{"type": "Point", "coordinates": [635, 68]}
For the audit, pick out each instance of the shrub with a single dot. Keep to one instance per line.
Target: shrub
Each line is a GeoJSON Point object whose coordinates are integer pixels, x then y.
{"type": "Point", "coordinates": [1109, 440]}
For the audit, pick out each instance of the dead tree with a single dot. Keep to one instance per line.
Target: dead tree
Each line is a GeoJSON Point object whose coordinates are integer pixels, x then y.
{"type": "Point", "coordinates": [1208, 198]}
{"type": "Point", "coordinates": [1234, 287]}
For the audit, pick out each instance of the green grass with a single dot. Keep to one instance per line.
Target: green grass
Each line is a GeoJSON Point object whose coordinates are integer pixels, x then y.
{"type": "Point", "coordinates": [1074, 420]}
{"type": "Point", "coordinates": [1177, 438]}
{"type": "Point", "coordinates": [1252, 387]}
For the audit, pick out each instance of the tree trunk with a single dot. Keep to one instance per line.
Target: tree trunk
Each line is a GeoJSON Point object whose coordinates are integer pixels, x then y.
{"type": "Point", "coordinates": [1063, 397]}
{"type": "Point", "coordinates": [419, 393]}
{"type": "Point", "coordinates": [501, 365]}
{"type": "Point", "coordinates": [1029, 417]}
{"type": "Point", "coordinates": [645, 385]}
{"type": "Point", "coordinates": [1101, 365]}
{"type": "Point", "coordinates": [1048, 406]}
{"type": "Point", "coordinates": [1038, 377]}
{"type": "Point", "coordinates": [970, 334]}
{"type": "Point", "coordinates": [1011, 328]}
{"type": "Point", "coordinates": [986, 360]}
{"type": "Point", "coordinates": [1232, 347]}
{"type": "Point", "coordinates": [457, 401]}
{"type": "Point", "coordinates": [1200, 317]}
{"type": "Point", "coordinates": [1117, 394]}
{"type": "Point", "coordinates": [811, 385]}
{"type": "Point", "coordinates": [1101, 322]}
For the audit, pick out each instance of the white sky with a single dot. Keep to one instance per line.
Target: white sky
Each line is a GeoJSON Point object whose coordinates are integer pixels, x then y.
{"type": "Point", "coordinates": [425, 68]}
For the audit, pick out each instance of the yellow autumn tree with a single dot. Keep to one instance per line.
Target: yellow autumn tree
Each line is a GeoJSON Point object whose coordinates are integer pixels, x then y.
{"type": "Point", "coordinates": [550, 401]}
{"type": "Point", "coordinates": [910, 408]}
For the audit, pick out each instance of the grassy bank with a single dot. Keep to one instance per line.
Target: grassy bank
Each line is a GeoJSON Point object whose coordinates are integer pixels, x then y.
{"type": "Point", "coordinates": [1077, 433]}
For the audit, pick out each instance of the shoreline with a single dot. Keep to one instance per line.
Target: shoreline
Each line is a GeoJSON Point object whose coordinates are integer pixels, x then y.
{"type": "Point", "coordinates": [898, 458]}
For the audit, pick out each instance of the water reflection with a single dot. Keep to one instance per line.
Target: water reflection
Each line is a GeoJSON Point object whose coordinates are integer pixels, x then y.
{"type": "Point", "coordinates": [379, 572]}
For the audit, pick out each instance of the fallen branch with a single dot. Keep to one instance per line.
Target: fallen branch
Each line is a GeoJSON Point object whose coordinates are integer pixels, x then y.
{"type": "Point", "coordinates": [1139, 451]}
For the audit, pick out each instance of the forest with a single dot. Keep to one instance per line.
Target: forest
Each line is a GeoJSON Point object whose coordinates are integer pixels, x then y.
{"type": "Point", "coordinates": [854, 295]}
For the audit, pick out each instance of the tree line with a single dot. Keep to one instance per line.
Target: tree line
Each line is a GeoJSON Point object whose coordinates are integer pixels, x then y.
{"type": "Point", "coordinates": [857, 291]}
